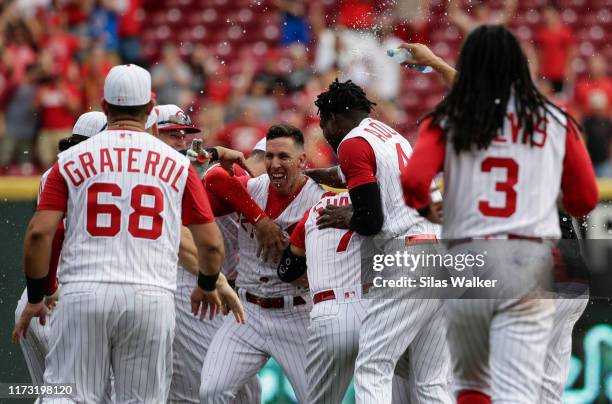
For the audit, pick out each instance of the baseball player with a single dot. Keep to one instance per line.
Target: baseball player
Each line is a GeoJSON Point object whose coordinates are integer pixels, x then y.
{"type": "Point", "coordinates": [371, 155]}
{"type": "Point", "coordinates": [192, 336]}
{"type": "Point", "coordinates": [506, 152]}
{"type": "Point", "coordinates": [572, 297]}
{"type": "Point", "coordinates": [278, 312]}
{"type": "Point", "coordinates": [332, 258]}
{"type": "Point", "coordinates": [36, 346]}
{"type": "Point", "coordinates": [124, 194]}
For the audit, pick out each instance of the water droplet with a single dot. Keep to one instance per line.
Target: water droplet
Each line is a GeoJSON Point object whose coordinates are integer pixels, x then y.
{"type": "Point", "coordinates": [497, 101]}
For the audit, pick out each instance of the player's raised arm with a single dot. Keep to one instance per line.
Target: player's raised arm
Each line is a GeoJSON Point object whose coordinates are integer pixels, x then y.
{"type": "Point", "coordinates": [326, 176]}
{"type": "Point", "coordinates": [201, 158]}
{"type": "Point", "coordinates": [230, 191]}
{"type": "Point", "coordinates": [423, 56]}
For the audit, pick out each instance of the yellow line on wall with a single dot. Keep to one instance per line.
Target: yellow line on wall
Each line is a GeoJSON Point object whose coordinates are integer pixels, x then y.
{"type": "Point", "coordinates": [16, 189]}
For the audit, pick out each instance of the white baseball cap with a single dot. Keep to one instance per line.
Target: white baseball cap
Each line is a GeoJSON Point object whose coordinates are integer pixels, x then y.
{"type": "Point", "coordinates": [89, 124]}
{"type": "Point", "coordinates": [170, 117]}
{"type": "Point", "coordinates": [127, 86]}
{"type": "Point", "coordinates": [261, 145]}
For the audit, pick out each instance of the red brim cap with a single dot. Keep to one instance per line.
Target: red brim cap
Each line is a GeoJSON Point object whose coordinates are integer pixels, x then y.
{"type": "Point", "coordinates": [187, 129]}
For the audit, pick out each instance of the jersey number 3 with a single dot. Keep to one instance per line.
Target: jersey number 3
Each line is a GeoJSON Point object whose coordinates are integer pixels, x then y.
{"type": "Point", "coordinates": [95, 209]}
{"type": "Point", "coordinates": [507, 186]}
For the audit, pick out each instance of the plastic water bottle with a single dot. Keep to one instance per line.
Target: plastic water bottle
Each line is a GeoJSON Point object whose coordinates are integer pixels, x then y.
{"type": "Point", "coordinates": [402, 55]}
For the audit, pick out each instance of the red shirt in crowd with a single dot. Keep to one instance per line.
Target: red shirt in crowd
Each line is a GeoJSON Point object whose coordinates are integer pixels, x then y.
{"type": "Point", "coordinates": [554, 44]}
{"type": "Point", "coordinates": [20, 55]}
{"type": "Point", "coordinates": [241, 136]}
{"type": "Point", "coordinates": [357, 14]}
{"type": "Point", "coordinates": [62, 47]}
{"type": "Point", "coordinates": [53, 100]}
{"type": "Point", "coordinates": [75, 13]}
{"type": "Point", "coordinates": [586, 87]}
{"type": "Point", "coordinates": [129, 24]}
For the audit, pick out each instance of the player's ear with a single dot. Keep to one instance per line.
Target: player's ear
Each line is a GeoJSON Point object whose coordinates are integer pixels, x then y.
{"type": "Point", "coordinates": [150, 106]}
{"type": "Point", "coordinates": [302, 160]}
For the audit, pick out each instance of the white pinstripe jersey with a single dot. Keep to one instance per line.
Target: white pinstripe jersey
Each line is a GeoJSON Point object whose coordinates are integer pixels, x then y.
{"type": "Point", "coordinates": [333, 256]}
{"type": "Point", "coordinates": [509, 188]}
{"type": "Point", "coordinates": [260, 277]}
{"type": "Point", "coordinates": [229, 226]}
{"type": "Point", "coordinates": [392, 151]}
{"type": "Point", "coordinates": [123, 219]}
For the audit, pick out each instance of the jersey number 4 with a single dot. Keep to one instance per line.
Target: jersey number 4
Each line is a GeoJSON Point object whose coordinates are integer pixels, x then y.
{"type": "Point", "coordinates": [507, 186]}
{"type": "Point", "coordinates": [95, 209]}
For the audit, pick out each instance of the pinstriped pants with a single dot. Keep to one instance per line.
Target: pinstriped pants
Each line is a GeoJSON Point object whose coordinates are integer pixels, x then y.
{"type": "Point", "coordinates": [559, 351]}
{"type": "Point", "coordinates": [499, 342]}
{"type": "Point", "coordinates": [239, 351]}
{"type": "Point", "coordinates": [191, 342]}
{"type": "Point", "coordinates": [400, 322]}
{"type": "Point", "coordinates": [333, 347]}
{"type": "Point", "coordinates": [36, 345]}
{"type": "Point", "coordinates": [391, 329]}
{"type": "Point", "coordinates": [97, 327]}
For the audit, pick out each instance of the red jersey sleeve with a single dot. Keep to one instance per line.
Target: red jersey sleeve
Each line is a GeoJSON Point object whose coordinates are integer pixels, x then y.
{"type": "Point", "coordinates": [578, 183]}
{"type": "Point", "coordinates": [426, 161]}
{"type": "Point", "coordinates": [357, 161]}
{"type": "Point", "coordinates": [54, 195]}
{"type": "Point", "coordinates": [231, 192]}
{"type": "Point", "coordinates": [195, 207]}
{"type": "Point", "coordinates": [218, 207]}
{"type": "Point", "coordinates": [298, 235]}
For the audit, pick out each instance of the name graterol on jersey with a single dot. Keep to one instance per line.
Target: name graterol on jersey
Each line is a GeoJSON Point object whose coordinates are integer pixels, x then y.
{"type": "Point", "coordinates": [538, 139]}
{"type": "Point", "coordinates": [126, 159]}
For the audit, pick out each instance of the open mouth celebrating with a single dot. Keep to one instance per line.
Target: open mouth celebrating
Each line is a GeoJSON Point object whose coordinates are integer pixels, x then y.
{"type": "Point", "coordinates": [278, 179]}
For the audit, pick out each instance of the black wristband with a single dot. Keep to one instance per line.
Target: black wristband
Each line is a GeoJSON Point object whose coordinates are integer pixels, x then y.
{"type": "Point", "coordinates": [214, 154]}
{"type": "Point", "coordinates": [207, 282]}
{"type": "Point", "coordinates": [291, 266]}
{"type": "Point", "coordinates": [36, 289]}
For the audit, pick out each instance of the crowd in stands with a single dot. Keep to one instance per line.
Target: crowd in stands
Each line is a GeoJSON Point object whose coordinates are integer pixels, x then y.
{"type": "Point", "coordinates": [56, 53]}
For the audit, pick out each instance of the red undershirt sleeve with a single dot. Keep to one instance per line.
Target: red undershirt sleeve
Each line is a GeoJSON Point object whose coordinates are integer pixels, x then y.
{"type": "Point", "coordinates": [425, 162]}
{"type": "Point", "coordinates": [54, 195]}
{"type": "Point", "coordinates": [578, 183]}
{"type": "Point", "coordinates": [357, 161]}
{"type": "Point", "coordinates": [195, 207]}
{"type": "Point", "coordinates": [298, 236]}
{"type": "Point", "coordinates": [230, 191]}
